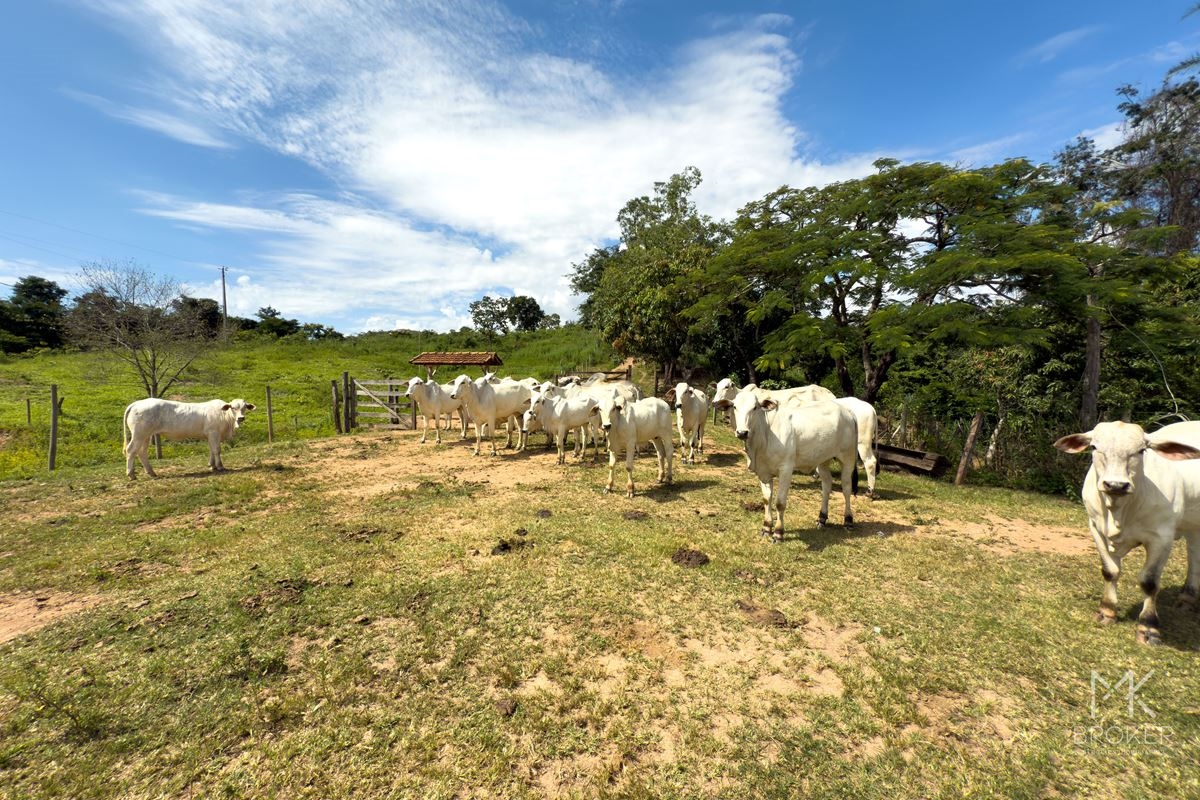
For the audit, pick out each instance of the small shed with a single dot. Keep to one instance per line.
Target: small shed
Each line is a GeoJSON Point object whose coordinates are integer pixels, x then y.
{"type": "Point", "coordinates": [431, 361]}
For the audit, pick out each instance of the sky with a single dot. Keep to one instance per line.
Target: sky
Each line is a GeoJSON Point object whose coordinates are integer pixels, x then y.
{"type": "Point", "coordinates": [380, 164]}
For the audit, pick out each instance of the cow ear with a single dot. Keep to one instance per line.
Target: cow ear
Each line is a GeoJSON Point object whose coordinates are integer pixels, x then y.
{"type": "Point", "coordinates": [249, 406]}
{"type": "Point", "coordinates": [226, 407]}
{"type": "Point", "coordinates": [769, 404]}
{"type": "Point", "coordinates": [1075, 443]}
{"type": "Point", "coordinates": [1174, 451]}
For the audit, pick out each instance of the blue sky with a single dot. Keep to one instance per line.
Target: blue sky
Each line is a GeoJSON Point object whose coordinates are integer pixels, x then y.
{"type": "Point", "coordinates": [375, 164]}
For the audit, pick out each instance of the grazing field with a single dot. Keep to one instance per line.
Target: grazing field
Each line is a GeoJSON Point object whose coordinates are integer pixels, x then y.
{"type": "Point", "coordinates": [367, 616]}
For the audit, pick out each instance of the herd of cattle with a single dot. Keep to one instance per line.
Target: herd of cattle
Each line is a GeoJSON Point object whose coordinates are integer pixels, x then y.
{"type": "Point", "coordinates": [1141, 489]}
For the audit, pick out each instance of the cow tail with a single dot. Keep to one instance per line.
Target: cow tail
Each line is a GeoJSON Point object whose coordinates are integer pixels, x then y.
{"type": "Point", "coordinates": [125, 428]}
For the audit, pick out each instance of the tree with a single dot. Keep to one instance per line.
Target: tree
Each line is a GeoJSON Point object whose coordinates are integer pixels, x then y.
{"type": "Point", "coordinates": [33, 316]}
{"type": "Point", "coordinates": [524, 313]}
{"type": "Point", "coordinates": [272, 323]}
{"type": "Point", "coordinates": [490, 315]}
{"type": "Point", "coordinates": [643, 285]}
{"type": "Point", "coordinates": [1157, 166]}
{"type": "Point", "coordinates": [129, 311]}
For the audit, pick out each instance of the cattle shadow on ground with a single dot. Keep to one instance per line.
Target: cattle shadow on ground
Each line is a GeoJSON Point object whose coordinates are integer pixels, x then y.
{"type": "Point", "coordinates": [818, 539]}
{"type": "Point", "coordinates": [723, 459]}
{"type": "Point", "coordinates": [1180, 625]}
{"type": "Point", "coordinates": [665, 493]}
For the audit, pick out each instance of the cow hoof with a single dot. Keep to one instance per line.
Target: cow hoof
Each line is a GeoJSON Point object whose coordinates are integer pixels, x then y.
{"type": "Point", "coordinates": [1105, 618]}
{"type": "Point", "coordinates": [1149, 636]}
{"type": "Point", "coordinates": [849, 521]}
{"type": "Point", "coordinates": [821, 520]}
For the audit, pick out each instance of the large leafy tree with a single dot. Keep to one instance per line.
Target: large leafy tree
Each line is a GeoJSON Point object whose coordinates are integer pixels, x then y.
{"type": "Point", "coordinates": [643, 285]}
{"type": "Point", "coordinates": [861, 271]}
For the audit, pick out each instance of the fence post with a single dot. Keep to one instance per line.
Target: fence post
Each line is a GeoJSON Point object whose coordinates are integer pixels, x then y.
{"type": "Point", "coordinates": [337, 410]}
{"type": "Point", "coordinates": [347, 402]}
{"type": "Point", "coordinates": [53, 424]}
{"type": "Point", "coordinates": [965, 461]}
{"type": "Point", "coordinates": [270, 419]}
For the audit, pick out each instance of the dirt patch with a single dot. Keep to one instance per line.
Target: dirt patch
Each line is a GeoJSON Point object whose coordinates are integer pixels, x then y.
{"type": "Point", "coordinates": [1007, 536]}
{"type": "Point", "coordinates": [26, 612]}
{"type": "Point", "coordinates": [689, 558]}
{"type": "Point", "coordinates": [767, 617]}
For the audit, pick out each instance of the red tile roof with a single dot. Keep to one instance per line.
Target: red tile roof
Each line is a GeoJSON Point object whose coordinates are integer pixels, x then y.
{"type": "Point", "coordinates": [466, 359]}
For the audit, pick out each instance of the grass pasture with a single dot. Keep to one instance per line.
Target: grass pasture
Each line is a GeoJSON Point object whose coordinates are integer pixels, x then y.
{"type": "Point", "coordinates": [367, 616]}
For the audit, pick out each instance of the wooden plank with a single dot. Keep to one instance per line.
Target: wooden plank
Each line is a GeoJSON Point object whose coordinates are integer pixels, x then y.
{"type": "Point", "coordinates": [918, 461]}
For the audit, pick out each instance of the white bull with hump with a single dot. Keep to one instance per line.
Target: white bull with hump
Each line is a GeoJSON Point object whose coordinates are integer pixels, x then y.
{"type": "Point", "coordinates": [783, 439]}
{"type": "Point", "coordinates": [488, 402]}
{"type": "Point", "coordinates": [1142, 491]}
{"type": "Point", "coordinates": [629, 424]}
{"type": "Point", "coordinates": [214, 420]}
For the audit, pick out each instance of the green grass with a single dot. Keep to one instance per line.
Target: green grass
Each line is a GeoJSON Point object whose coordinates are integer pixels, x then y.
{"type": "Point", "coordinates": [268, 632]}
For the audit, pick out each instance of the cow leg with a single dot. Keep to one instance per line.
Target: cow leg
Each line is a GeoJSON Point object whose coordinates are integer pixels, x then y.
{"type": "Point", "coordinates": [871, 466]}
{"type": "Point", "coordinates": [668, 457]}
{"type": "Point", "coordinates": [852, 468]}
{"type": "Point", "coordinates": [138, 448]}
{"type": "Point", "coordinates": [561, 439]}
{"type": "Point", "coordinates": [826, 476]}
{"type": "Point", "coordinates": [478, 435]}
{"type": "Point", "coordinates": [214, 453]}
{"type": "Point", "coordinates": [1191, 589]}
{"type": "Point", "coordinates": [781, 498]}
{"type": "Point", "coordinates": [612, 466]}
{"type": "Point", "coordinates": [768, 526]}
{"type": "Point", "coordinates": [1157, 552]}
{"type": "Point", "coordinates": [629, 454]}
{"type": "Point", "coordinates": [1110, 568]}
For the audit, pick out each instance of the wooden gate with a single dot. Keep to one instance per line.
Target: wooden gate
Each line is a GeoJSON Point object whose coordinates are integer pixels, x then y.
{"type": "Point", "coordinates": [383, 401]}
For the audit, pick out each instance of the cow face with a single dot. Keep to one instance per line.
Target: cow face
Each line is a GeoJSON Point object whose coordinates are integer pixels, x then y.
{"type": "Point", "coordinates": [239, 408]}
{"type": "Point", "coordinates": [456, 388]}
{"type": "Point", "coordinates": [745, 408]}
{"type": "Point", "coordinates": [680, 391]}
{"type": "Point", "coordinates": [536, 404]}
{"type": "Point", "coordinates": [1118, 451]}
{"type": "Point", "coordinates": [412, 384]}
{"type": "Point", "coordinates": [724, 393]}
{"type": "Point", "coordinates": [609, 409]}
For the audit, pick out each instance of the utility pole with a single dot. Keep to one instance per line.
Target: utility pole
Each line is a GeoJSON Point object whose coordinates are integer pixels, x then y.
{"type": "Point", "coordinates": [224, 308]}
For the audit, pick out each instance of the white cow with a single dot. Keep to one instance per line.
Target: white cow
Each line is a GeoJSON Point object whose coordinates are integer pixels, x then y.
{"type": "Point", "coordinates": [434, 400]}
{"type": "Point", "coordinates": [488, 402]}
{"type": "Point", "coordinates": [691, 412]}
{"type": "Point", "coordinates": [864, 415]}
{"type": "Point", "coordinates": [782, 439]}
{"type": "Point", "coordinates": [1142, 491]}
{"type": "Point", "coordinates": [558, 415]}
{"type": "Point", "coordinates": [214, 420]}
{"type": "Point", "coordinates": [629, 424]}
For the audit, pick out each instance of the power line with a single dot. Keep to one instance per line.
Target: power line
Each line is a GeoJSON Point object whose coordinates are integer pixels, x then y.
{"type": "Point", "coordinates": [98, 236]}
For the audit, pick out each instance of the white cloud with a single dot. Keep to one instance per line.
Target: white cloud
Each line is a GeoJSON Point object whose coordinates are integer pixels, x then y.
{"type": "Point", "coordinates": [479, 161]}
{"type": "Point", "coordinates": [157, 121]}
{"type": "Point", "coordinates": [1050, 49]}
